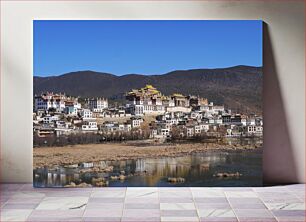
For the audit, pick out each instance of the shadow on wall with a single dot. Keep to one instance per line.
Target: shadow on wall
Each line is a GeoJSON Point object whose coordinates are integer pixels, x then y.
{"type": "Point", "coordinates": [278, 160]}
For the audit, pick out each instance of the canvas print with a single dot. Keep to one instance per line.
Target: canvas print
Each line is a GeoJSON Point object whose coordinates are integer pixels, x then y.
{"type": "Point", "coordinates": [166, 103]}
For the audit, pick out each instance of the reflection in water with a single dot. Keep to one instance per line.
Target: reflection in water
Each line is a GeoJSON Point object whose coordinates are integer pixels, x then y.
{"type": "Point", "coordinates": [198, 169]}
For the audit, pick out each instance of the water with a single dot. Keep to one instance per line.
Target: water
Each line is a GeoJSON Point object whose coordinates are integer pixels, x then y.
{"type": "Point", "coordinates": [198, 170]}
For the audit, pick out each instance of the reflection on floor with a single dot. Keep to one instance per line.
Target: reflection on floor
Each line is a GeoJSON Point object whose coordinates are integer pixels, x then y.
{"type": "Point", "coordinates": [21, 202]}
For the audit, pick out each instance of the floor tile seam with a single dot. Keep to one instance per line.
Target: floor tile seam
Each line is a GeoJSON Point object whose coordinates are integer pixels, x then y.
{"type": "Point", "coordinates": [123, 207]}
{"type": "Point", "coordinates": [195, 205]}
{"type": "Point", "coordinates": [29, 216]}
{"type": "Point", "coordinates": [268, 208]}
{"type": "Point", "coordinates": [91, 192]}
{"type": "Point", "coordinates": [297, 196]}
{"type": "Point", "coordinates": [6, 202]}
{"type": "Point", "coordinates": [231, 207]}
{"type": "Point", "coordinates": [158, 198]}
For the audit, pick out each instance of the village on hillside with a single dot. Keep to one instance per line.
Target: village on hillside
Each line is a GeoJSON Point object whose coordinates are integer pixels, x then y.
{"type": "Point", "coordinates": [59, 119]}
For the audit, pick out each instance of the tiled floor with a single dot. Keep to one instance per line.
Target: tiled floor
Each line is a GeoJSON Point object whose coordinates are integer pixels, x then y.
{"type": "Point", "coordinates": [21, 202]}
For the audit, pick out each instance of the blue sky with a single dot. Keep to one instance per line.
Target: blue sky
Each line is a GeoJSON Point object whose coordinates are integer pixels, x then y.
{"type": "Point", "coordinates": [144, 47]}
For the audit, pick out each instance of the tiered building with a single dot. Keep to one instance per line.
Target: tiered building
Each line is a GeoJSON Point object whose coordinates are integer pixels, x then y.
{"type": "Point", "coordinates": [148, 100]}
{"type": "Point", "coordinates": [58, 102]}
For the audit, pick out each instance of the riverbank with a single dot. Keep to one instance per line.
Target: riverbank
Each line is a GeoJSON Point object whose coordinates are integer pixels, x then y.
{"type": "Point", "coordinates": [68, 155]}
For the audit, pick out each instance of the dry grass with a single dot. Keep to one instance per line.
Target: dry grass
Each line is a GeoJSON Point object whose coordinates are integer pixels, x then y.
{"type": "Point", "coordinates": [52, 156]}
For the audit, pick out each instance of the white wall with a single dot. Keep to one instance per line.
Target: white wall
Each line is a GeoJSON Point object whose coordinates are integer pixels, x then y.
{"type": "Point", "coordinates": [284, 87]}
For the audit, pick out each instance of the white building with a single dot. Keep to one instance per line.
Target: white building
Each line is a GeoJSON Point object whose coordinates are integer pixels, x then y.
{"type": "Point", "coordinates": [90, 126]}
{"type": "Point", "coordinates": [243, 121]}
{"type": "Point", "coordinates": [164, 132]}
{"type": "Point", "coordinates": [204, 108]}
{"type": "Point", "coordinates": [138, 110]}
{"type": "Point", "coordinates": [179, 109]}
{"type": "Point", "coordinates": [47, 101]}
{"type": "Point", "coordinates": [62, 124]}
{"type": "Point", "coordinates": [254, 130]}
{"type": "Point", "coordinates": [136, 122]}
{"type": "Point", "coordinates": [196, 115]}
{"type": "Point", "coordinates": [63, 131]}
{"type": "Point", "coordinates": [97, 104]}
{"type": "Point", "coordinates": [212, 109]}
{"type": "Point", "coordinates": [72, 109]}
{"type": "Point", "coordinates": [197, 129]}
{"type": "Point", "coordinates": [121, 127]}
{"type": "Point", "coordinates": [127, 127]}
{"type": "Point", "coordinates": [86, 114]}
{"type": "Point", "coordinates": [204, 127]}
{"type": "Point", "coordinates": [217, 121]}
{"type": "Point", "coordinates": [218, 109]}
{"type": "Point", "coordinates": [50, 119]}
{"type": "Point", "coordinates": [153, 133]}
{"type": "Point", "coordinates": [190, 131]}
{"type": "Point", "coordinates": [250, 122]}
{"type": "Point", "coordinates": [172, 121]}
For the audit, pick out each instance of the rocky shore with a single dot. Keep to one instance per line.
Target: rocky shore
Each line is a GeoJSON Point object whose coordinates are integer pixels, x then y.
{"type": "Point", "coordinates": [69, 155]}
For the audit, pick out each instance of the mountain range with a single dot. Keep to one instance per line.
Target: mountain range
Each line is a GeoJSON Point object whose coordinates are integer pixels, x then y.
{"type": "Point", "coordinates": [239, 88]}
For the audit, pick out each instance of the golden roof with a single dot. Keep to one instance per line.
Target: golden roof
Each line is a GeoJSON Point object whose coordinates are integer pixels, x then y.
{"type": "Point", "coordinates": [150, 87]}
{"type": "Point", "coordinates": [148, 90]}
{"type": "Point", "coordinates": [177, 95]}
